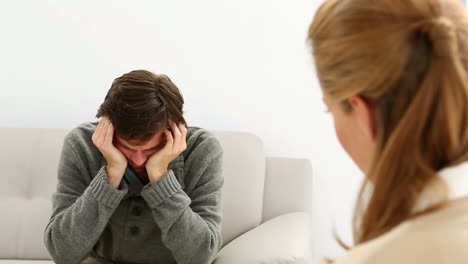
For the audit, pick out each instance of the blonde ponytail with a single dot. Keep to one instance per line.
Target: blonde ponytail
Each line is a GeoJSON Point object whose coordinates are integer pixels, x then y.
{"type": "Point", "coordinates": [408, 57]}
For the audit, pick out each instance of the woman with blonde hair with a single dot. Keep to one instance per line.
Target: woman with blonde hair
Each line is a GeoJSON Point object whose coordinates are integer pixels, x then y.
{"type": "Point", "coordinates": [394, 74]}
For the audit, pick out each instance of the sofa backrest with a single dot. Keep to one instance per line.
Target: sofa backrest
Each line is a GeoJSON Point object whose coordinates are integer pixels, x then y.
{"type": "Point", "coordinates": [29, 160]}
{"type": "Point", "coordinates": [244, 180]}
{"type": "Point", "coordinates": [288, 187]}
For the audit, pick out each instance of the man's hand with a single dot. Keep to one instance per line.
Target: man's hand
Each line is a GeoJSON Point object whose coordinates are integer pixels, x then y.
{"type": "Point", "coordinates": [116, 161]}
{"type": "Point", "coordinates": [157, 165]}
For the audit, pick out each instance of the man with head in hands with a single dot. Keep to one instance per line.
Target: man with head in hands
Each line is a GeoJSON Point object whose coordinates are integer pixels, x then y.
{"type": "Point", "coordinates": [139, 186]}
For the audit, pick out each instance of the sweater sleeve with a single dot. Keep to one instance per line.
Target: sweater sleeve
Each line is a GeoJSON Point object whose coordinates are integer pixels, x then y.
{"type": "Point", "coordinates": [191, 223]}
{"type": "Point", "coordinates": [81, 209]}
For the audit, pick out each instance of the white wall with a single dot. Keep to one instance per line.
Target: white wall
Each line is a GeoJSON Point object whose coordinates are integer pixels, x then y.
{"type": "Point", "coordinates": [241, 65]}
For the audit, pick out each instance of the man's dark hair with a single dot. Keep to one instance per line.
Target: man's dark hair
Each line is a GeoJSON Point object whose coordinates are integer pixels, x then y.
{"type": "Point", "coordinates": [141, 103]}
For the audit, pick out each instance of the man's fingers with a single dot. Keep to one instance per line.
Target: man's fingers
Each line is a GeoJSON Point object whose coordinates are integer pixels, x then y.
{"type": "Point", "coordinates": [177, 137]}
{"type": "Point", "coordinates": [183, 130]}
{"type": "Point", "coordinates": [109, 134]}
{"type": "Point", "coordinates": [169, 140]}
{"type": "Point", "coordinates": [100, 125]}
{"type": "Point", "coordinates": [103, 132]}
{"type": "Point", "coordinates": [97, 136]}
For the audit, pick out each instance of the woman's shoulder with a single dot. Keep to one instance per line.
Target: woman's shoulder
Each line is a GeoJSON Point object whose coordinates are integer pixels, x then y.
{"type": "Point", "coordinates": [436, 237]}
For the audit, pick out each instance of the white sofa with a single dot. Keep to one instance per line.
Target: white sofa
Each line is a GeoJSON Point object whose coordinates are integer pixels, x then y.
{"type": "Point", "coordinates": [266, 199]}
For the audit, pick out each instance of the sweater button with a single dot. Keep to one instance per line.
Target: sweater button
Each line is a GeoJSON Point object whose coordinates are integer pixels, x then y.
{"type": "Point", "coordinates": [134, 230]}
{"type": "Point", "coordinates": [136, 211]}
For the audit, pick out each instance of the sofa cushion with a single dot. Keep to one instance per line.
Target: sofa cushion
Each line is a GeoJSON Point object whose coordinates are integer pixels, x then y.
{"type": "Point", "coordinates": [284, 239]}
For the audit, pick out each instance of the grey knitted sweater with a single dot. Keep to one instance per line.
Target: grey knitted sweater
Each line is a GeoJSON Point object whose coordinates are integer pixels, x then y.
{"type": "Point", "coordinates": [176, 220]}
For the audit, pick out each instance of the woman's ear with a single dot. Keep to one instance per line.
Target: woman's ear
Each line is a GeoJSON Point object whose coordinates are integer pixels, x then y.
{"type": "Point", "coordinates": [365, 113]}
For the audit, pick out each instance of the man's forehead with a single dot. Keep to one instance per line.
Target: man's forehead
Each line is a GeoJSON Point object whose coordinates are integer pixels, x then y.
{"type": "Point", "coordinates": [138, 143]}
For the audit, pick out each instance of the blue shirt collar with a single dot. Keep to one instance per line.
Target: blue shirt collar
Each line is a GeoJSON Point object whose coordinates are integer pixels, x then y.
{"type": "Point", "coordinates": [131, 178]}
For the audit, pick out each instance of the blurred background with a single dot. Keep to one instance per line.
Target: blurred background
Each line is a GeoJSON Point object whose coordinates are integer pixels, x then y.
{"type": "Point", "coordinates": [241, 65]}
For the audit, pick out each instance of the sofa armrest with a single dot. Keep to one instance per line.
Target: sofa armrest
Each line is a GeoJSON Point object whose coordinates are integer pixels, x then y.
{"type": "Point", "coordinates": [284, 239]}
